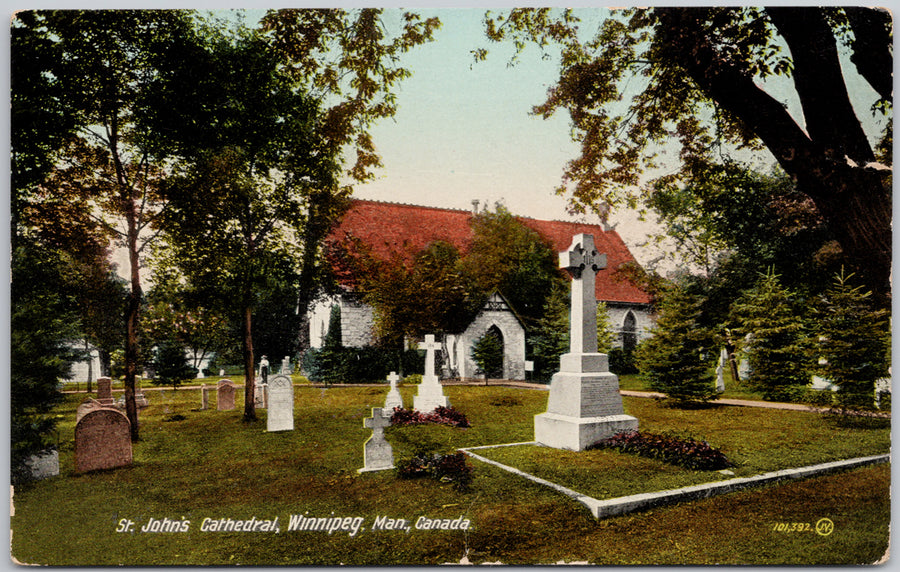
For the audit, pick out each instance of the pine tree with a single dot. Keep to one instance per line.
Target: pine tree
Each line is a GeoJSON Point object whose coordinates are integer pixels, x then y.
{"type": "Point", "coordinates": [331, 363]}
{"type": "Point", "coordinates": [854, 341]}
{"type": "Point", "coordinates": [675, 360]}
{"type": "Point", "coordinates": [777, 351]}
{"type": "Point", "coordinates": [487, 352]}
{"type": "Point", "coordinates": [172, 365]}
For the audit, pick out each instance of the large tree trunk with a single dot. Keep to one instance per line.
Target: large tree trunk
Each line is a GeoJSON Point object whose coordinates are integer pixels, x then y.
{"type": "Point", "coordinates": [830, 157]}
{"type": "Point", "coordinates": [249, 373]}
{"type": "Point", "coordinates": [132, 323]}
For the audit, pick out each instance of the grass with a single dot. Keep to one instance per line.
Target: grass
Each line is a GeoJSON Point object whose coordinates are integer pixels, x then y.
{"type": "Point", "coordinates": [212, 465]}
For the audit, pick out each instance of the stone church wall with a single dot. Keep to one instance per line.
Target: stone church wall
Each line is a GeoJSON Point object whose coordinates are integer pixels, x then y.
{"type": "Point", "coordinates": [513, 344]}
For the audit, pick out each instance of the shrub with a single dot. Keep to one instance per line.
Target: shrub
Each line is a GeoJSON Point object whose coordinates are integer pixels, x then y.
{"type": "Point", "coordinates": [622, 362]}
{"type": "Point", "coordinates": [449, 468]}
{"type": "Point", "coordinates": [440, 416]}
{"type": "Point", "coordinates": [688, 453]}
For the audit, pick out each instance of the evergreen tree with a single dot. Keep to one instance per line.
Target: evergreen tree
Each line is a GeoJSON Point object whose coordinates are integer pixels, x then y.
{"type": "Point", "coordinates": [777, 350]}
{"type": "Point", "coordinates": [488, 354]}
{"type": "Point", "coordinates": [330, 362]}
{"type": "Point", "coordinates": [676, 359]}
{"type": "Point", "coordinates": [854, 340]}
{"type": "Point", "coordinates": [171, 363]}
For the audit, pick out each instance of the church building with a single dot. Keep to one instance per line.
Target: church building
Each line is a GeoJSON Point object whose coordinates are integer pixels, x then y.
{"type": "Point", "coordinates": [389, 229]}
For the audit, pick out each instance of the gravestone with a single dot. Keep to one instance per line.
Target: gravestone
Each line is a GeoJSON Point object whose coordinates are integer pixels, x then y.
{"type": "Point", "coordinates": [225, 395]}
{"type": "Point", "coordinates": [43, 465]}
{"type": "Point", "coordinates": [104, 391]}
{"type": "Point", "coordinates": [260, 395]}
{"type": "Point", "coordinates": [286, 366]}
{"type": "Point", "coordinates": [102, 441]}
{"type": "Point", "coordinates": [204, 397]}
{"type": "Point", "coordinates": [393, 399]}
{"type": "Point", "coordinates": [281, 404]}
{"type": "Point", "coordinates": [377, 452]}
{"type": "Point", "coordinates": [86, 407]}
{"type": "Point", "coordinates": [221, 372]}
{"type": "Point", "coordinates": [140, 400]}
{"type": "Point", "coordinates": [720, 370]}
{"type": "Point", "coordinates": [584, 405]}
{"type": "Point", "coordinates": [430, 395]}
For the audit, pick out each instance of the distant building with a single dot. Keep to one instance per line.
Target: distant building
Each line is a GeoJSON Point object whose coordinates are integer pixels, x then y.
{"type": "Point", "coordinates": [388, 229]}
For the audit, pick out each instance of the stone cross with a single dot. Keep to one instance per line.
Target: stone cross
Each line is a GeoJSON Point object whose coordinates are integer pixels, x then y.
{"type": "Point", "coordinates": [429, 346]}
{"type": "Point", "coordinates": [377, 452]}
{"type": "Point", "coordinates": [430, 395]}
{"type": "Point", "coordinates": [582, 261]}
{"type": "Point", "coordinates": [394, 399]}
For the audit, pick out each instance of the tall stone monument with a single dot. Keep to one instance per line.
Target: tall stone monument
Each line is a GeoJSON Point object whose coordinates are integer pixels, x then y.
{"type": "Point", "coordinates": [431, 394]}
{"type": "Point", "coordinates": [584, 405]}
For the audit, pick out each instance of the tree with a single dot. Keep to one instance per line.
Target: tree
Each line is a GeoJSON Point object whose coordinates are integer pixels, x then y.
{"type": "Point", "coordinates": [487, 352]}
{"type": "Point", "coordinates": [411, 298]}
{"type": "Point", "coordinates": [853, 340]}
{"type": "Point", "coordinates": [103, 62]}
{"type": "Point", "coordinates": [349, 59]}
{"type": "Point", "coordinates": [252, 173]}
{"type": "Point", "coordinates": [702, 76]}
{"type": "Point", "coordinates": [43, 325]}
{"type": "Point", "coordinates": [508, 256]}
{"type": "Point", "coordinates": [172, 367]}
{"type": "Point", "coordinates": [676, 358]}
{"type": "Point", "coordinates": [777, 349]}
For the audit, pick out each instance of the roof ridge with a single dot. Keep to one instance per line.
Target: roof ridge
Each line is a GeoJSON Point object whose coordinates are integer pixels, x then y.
{"type": "Point", "coordinates": [399, 204]}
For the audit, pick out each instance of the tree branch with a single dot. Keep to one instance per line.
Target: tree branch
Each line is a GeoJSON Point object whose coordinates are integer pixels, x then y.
{"type": "Point", "coordinates": [871, 45]}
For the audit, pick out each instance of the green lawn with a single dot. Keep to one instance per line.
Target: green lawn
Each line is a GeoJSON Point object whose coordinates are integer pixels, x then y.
{"type": "Point", "coordinates": [213, 465]}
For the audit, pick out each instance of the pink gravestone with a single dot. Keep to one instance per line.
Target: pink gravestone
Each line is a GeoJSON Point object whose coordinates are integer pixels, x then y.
{"type": "Point", "coordinates": [225, 395]}
{"type": "Point", "coordinates": [104, 390]}
{"type": "Point", "coordinates": [102, 441]}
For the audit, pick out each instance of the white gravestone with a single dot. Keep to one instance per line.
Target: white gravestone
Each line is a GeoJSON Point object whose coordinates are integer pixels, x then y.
{"type": "Point", "coordinates": [377, 452]}
{"type": "Point", "coordinates": [204, 397]}
{"type": "Point", "coordinates": [286, 366]}
{"type": "Point", "coordinates": [260, 395]}
{"type": "Point", "coordinates": [584, 405]}
{"type": "Point", "coordinates": [281, 404]}
{"type": "Point", "coordinates": [431, 394]}
{"type": "Point", "coordinates": [393, 399]}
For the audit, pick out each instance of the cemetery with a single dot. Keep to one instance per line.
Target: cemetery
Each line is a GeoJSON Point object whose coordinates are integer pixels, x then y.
{"type": "Point", "coordinates": [501, 484]}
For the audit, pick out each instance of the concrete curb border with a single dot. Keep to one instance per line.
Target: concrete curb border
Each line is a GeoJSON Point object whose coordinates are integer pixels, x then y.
{"type": "Point", "coordinates": [624, 505]}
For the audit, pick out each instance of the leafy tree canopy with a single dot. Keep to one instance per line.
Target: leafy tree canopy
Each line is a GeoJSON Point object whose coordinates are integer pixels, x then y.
{"type": "Point", "coordinates": [697, 78]}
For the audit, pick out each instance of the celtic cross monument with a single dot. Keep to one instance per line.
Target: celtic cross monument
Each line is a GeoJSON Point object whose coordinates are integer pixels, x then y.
{"type": "Point", "coordinates": [584, 405]}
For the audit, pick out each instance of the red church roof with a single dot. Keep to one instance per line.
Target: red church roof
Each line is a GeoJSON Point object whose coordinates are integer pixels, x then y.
{"type": "Point", "coordinates": [400, 229]}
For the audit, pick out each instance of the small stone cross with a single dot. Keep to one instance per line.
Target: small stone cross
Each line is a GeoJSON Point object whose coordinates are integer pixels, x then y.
{"type": "Point", "coordinates": [377, 423]}
{"type": "Point", "coordinates": [582, 261]}
{"type": "Point", "coordinates": [393, 378]}
{"type": "Point", "coordinates": [429, 346]}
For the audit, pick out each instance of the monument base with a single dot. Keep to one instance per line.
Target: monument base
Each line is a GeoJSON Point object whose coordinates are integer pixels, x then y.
{"type": "Point", "coordinates": [430, 396]}
{"type": "Point", "coordinates": [370, 470]}
{"type": "Point", "coordinates": [577, 433]}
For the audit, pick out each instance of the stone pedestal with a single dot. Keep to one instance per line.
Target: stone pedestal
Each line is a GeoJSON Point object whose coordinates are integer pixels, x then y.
{"type": "Point", "coordinates": [430, 396]}
{"type": "Point", "coordinates": [584, 406]}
